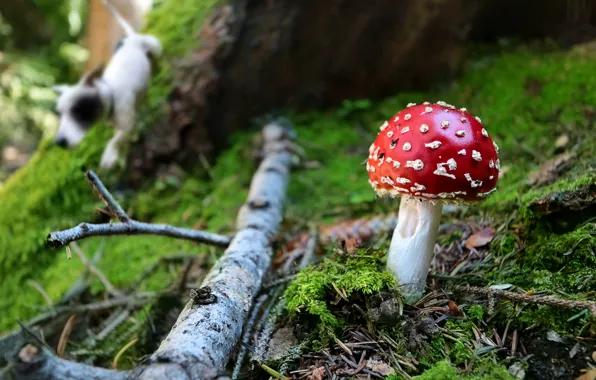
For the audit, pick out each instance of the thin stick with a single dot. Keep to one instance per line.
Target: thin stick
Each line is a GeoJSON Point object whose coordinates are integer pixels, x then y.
{"type": "Point", "coordinates": [93, 269]}
{"type": "Point", "coordinates": [105, 196]}
{"type": "Point", "coordinates": [127, 226]}
{"type": "Point", "coordinates": [121, 352]}
{"type": "Point", "coordinates": [59, 239]}
{"type": "Point", "coordinates": [540, 300]}
{"type": "Point", "coordinates": [37, 286]}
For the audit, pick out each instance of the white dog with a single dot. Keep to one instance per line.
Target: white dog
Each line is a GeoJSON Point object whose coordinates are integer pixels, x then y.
{"type": "Point", "coordinates": [113, 92]}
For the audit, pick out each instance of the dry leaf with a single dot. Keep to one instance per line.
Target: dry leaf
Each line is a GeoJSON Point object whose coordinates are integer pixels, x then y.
{"type": "Point", "coordinates": [317, 374]}
{"type": "Point", "coordinates": [380, 367]}
{"type": "Point", "coordinates": [589, 374]}
{"type": "Point", "coordinates": [550, 170]}
{"type": "Point", "coordinates": [480, 238]}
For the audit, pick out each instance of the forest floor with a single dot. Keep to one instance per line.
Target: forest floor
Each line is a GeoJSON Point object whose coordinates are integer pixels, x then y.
{"type": "Point", "coordinates": [535, 235]}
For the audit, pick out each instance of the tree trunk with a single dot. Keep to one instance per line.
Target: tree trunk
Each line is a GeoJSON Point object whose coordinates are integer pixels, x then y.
{"type": "Point", "coordinates": [257, 56]}
{"type": "Point", "coordinates": [103, 32]}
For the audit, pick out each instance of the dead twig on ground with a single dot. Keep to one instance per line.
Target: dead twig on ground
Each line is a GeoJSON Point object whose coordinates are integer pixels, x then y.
{"type": "Point", "coordinates": [492, 293]}
{"type": "Point", "coordinates": [127, 226]}
{"type": "Point", "coordinates": [93, 269]}
{"type": "Point", "coordinates": [203, 338]}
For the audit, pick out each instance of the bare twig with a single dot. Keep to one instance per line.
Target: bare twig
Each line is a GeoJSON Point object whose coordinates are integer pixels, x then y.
{"type": "Point", "coordinates": [539, 300]}
{"type": "Point", "coordinates": [93, 269]}
{"type": "Point", "coordinates": [106, 197]}
{"type": "Point", "coordinates": [37, 286]}
{"type": "Point", "coordinates": [127, 226]}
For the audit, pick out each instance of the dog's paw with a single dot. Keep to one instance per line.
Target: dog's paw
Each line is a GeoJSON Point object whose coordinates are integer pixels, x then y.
{"type": "Point", "coordinates": [108, 159]}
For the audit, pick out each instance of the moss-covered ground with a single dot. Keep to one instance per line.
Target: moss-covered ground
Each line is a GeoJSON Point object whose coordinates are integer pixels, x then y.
{"type": "Point", "coordinates": [50, 193]}
{"type": "Point", "coordinates": [526, 98]}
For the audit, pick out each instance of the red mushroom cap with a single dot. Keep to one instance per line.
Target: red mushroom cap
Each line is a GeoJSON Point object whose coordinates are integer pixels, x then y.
{"type": "Point", "coordinates": [434, 151]}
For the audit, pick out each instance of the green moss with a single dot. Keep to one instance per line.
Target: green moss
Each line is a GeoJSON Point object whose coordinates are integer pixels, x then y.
{"type": "Point", "coordinates": [475, 313]}
{"type": "Point", "coordinates": [49, 193]}
{"type": "Point", "coordinates": [486, 370]}
{"type": "Point", "coordinates": [360, 274]}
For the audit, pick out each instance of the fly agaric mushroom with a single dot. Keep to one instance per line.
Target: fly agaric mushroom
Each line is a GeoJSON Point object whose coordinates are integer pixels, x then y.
{"type": "Point", "coordinates": [430, 154]}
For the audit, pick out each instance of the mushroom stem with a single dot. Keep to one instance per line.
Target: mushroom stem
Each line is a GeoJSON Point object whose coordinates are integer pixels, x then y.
{"type": "Point", "coordinates": [412, 244]}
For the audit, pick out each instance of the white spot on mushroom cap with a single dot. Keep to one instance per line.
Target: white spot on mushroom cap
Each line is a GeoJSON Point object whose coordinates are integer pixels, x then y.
{"type": "Point", "coordinates": [392, 144]}
{"type": "Point", "coordinates": [433, 144]}
{"type": "Point", "coordinates": [396, 119]}
{"type": "Point", "coordinates": [484, 132]}
{"type": "Point", "coordinates": [407, 146]}
{"type": "Point", "coordinates": [396, 164]}
{"type": "Point", "coordinates": [402, 189]}
{"type": "Point", "coordinates": [407, 117]}
{"type": "Point", "coordinates": [463, 109]}
{"type": "Point", "coordinates": [376, 153]}
{"type": "Point", "coordinates": [405, 130]}
{"type": "Point", "coordinates": [444, 124]}
{"type": "Point", "coordinates": [463, 120]}
{"type": "Point", "coordinates": [429, 195]}
{"type": "Point", "coordinates": [462, 152]}
{"type": "Point", "coordinates": [477, 119]}
{"type": "Point", "coordinates": [424, 128]}
{"type": "Point", "coordinates": [443, 172]}
{"type": "Point", "coordinates": [425, 103]}
{"type": "Point", "coordinates": [491, 177]}
{"type": "Point", "coordinates": [491, 164]}
{"type": "Point", "coordinates": [416, 164]}
{"type": "Point", "coordinates": [411, 104]}
{"type": "Point", "coordinates": [451, 195]}
{"type": "Point", "coordinates": [460, 133]}
{"type": "Point", "coordinates": [473, 183]}
{"type": "Point", "coordinates": [452, 164]}
{"type": "Point", "coordinates": [374, 184]}
{"type": "Point", "coordinates": [402, 180]}
{"type": "Point", "coordinates": [476, 155]}
{"type": "Point", "coordinates": [428, 109]}
{"type": "Point", "coordinates": [418, 187]}
{"type": "Point", "coordinates": [498, 164]}
{"type": "Point", "coordinates": [383, 126]}
{"type": "Point", "coordinates": [371, 148]}
{"type": "Point", "coordinates": [390, 134]}
{"type": "Point", "coordinates": [496, 146]}
{"type": "Point", "coordinates": [386, 179]}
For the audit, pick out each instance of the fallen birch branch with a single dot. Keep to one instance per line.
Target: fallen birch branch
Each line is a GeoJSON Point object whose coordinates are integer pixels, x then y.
{"type": "Point", "coordinates": [201, 341]}
{"type": "Point", "coordinates": [127, 226]}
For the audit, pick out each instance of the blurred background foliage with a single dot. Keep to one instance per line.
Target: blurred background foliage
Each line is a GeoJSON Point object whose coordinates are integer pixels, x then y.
{"type": "Point", "coordinates": [40, 45]}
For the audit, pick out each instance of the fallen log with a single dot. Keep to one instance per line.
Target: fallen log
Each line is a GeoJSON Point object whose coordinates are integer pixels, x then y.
{"type": "Point", "coordinates": [201, 341]}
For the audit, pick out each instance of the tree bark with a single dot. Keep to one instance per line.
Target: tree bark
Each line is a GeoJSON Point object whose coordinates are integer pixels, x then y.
{"type": "Point", "coordinates": [103, 32]}
{"type": "Point", "coordinates": [257, 56]}
{"type": "Point", "coordinates": [207, 330]}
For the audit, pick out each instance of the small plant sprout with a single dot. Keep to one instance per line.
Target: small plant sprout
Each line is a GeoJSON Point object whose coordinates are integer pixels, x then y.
{"type": "Point", "coordinates": [429, 154]}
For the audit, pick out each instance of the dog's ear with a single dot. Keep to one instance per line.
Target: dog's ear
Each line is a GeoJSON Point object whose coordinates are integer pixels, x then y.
{"type": "Point", "coordinates": [92, 75]}
{"type": "Point", "coordinates": [60, 88]}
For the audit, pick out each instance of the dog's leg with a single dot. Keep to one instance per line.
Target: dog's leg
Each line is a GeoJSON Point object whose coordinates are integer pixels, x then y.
{"type": "Point", "coordinates": [125, 121]}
